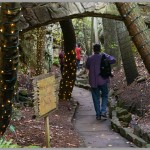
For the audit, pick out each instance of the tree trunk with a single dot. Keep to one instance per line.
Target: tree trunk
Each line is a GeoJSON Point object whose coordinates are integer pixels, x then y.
{"type": "Point", "coordinates": [40, 50]}
{"type": "Point", "coordinates": [10, 15]}
{"type": "Point", "coordinates": [69, 72]}
{"type": "Point", "coordinates": [126, 53]}
{"type": "Point", "coordinates": [91, 45]}
{"type": "Point", "coordinates": [85, 36]}
{"type": "Point", "coordinates": [96, 31]}
{"type": "Point", "coordinates": [130, 13]}
{"type": "Point", "coordinates": [111, 44]}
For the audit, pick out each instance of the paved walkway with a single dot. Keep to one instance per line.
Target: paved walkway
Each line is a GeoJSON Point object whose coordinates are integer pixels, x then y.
{"type": "Point", "coordinates": [95, 133]}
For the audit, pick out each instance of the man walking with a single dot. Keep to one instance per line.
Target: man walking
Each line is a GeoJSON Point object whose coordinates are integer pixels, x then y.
{"type": "Point", "coordinates": [97, 82]}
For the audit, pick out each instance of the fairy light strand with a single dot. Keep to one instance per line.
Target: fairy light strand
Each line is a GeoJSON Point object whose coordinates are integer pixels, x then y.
{"type": "Point", "coordinates": [8, 29]}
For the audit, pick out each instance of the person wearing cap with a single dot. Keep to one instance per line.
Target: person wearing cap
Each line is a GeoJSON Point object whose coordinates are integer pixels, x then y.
{"type": "Point", "coordinates": [97, 82]}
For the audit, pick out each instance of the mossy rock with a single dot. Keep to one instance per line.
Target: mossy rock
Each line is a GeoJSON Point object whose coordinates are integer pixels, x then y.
{"type": "Point", "coordinates": [120, 103]}
{"type": "Point", "coordinates": [136, 140]}
{"type": "Point", "coordinates": [124, 131]}
{"type": "Point", "coordinates": [137, 131]}
{"type": "Point", "coordinates": [28, 103]}
{"type": "Point", "coordinates": [115, 124]}
{"type": "Point", "coordinates": [23, 93]}
{"type": "Point", "coordinates": [125, 118]}
{"type": "Point", "coordinates": [140, 142]}
{"type": "Point", "coordinates": [121, 111]}
{"type": "Point", "coordinates": [23, 98]}
{"type": "Point", "coordinates": [124, 124]}
{"type": "Point", "coordinates": [145, 136]}
{"type": "Point", "coordinates": [147, 146]}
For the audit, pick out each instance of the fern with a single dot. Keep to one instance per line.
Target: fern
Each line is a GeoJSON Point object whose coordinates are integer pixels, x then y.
{"type": "Point", "coordinates": [8, 144]}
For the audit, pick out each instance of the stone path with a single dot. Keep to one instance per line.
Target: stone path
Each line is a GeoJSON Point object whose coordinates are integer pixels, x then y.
{"type": "Point", "coordinates": [95, 133]}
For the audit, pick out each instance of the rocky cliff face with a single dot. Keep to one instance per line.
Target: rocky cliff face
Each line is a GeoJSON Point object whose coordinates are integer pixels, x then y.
{"type": "Point", "coordinates": [38, 14]}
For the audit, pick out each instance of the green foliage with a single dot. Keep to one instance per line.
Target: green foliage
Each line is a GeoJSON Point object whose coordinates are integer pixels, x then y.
{"type": "Point", "coordinates": [56, 61]}
{"type": "Point", "coordinates": [12, 128]}
{"type": "Point", "coordinates": [32, 146]}
{"type": "Point", "coordinates": [134, 49]}
{"type": "Point", "coordinates": [16, 114]}
{"type": "Point", "coordinates": [113, 45]}
{"type": "Point", "coordinates": [29, 46]}
{"type": "Point", "coordinates": [8, 144]}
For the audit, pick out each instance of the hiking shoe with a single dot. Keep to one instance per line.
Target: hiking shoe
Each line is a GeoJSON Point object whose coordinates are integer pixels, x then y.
{"type": "Point", "coordinates": [104, 115]}
{"type": "Point", "coordinates": [98, 118]}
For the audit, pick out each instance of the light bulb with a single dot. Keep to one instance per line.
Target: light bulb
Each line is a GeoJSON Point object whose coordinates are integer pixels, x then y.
{"type": "Point", "coordinates": [9, 12]}
{"type": "Point", "coordinates": [12, 24]}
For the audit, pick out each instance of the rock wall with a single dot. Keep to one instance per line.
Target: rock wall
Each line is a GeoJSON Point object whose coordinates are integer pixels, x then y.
{"type": "Point", "coordinates": [38, 14]}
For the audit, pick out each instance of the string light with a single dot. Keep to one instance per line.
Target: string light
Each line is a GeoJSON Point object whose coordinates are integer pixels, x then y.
{"type": "Point", "coordinates": [7, 89]}
{"type": "Point", "coordinates": [12, 24]}
{"type": "Point", "coordinates": [9, 12]}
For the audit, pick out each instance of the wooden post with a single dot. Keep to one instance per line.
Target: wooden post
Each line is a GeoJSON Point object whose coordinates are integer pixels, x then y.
{"type": "Point", "coordinates": [47, 131]}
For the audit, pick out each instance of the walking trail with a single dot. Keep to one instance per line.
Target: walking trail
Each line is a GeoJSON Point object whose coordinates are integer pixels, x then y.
{"type": "Point", "coordinates": [95, 133]}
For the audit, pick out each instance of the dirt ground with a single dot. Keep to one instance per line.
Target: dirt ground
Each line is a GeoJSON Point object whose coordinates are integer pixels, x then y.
{"type": "Point", "coordinates": [31, 131]}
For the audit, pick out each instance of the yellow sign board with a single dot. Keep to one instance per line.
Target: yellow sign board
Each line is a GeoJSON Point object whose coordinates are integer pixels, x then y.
{"type": "Point", "coordinates": [45, 91]}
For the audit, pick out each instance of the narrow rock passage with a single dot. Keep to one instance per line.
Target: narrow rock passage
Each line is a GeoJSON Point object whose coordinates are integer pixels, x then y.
{"type": "Point", "coordinates": [95, 133]}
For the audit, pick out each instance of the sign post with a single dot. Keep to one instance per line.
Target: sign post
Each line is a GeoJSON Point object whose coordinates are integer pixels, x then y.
{"type": "Point", "coordinates": [45, 100]}
{"type": "Point", "coordinates": [47, 131]}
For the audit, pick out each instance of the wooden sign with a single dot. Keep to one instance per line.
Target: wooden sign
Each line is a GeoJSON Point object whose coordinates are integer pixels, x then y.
{"type": "Point", "coordinates": [45, 99]}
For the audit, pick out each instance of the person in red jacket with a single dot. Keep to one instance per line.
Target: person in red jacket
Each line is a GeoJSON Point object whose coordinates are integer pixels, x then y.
{"type": "Point", "coordinates": [78, 55]}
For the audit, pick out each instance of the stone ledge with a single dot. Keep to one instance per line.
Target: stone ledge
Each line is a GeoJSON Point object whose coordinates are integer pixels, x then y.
{"type": "Point", "coordinates": [127, 133]}
{"type": "Point", "coordinates": [85, 86]}
{"type": "Point", "coordinates": [73, 111]}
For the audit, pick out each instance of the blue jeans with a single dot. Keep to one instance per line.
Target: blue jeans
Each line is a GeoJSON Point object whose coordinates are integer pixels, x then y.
{"type": "Point", "coordinates": [100, 109]}
{"type": "Point", "coordinates": [78, 64]}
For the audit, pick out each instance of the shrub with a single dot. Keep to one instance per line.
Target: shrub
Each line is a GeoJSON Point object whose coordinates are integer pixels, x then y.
{"type": "Point", "coordinates": [7, 144]}
{"type": "Point", "coordinates": [56, 61]}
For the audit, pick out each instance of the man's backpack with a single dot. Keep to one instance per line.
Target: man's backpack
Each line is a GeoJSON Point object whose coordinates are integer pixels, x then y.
{"type": "Point", "coordinates": [105, 67]}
